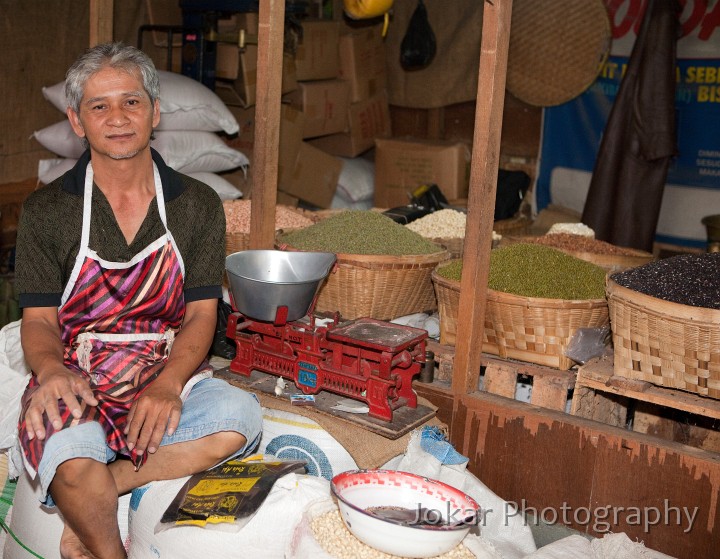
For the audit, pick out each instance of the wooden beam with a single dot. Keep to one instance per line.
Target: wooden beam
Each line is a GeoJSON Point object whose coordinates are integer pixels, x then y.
{"type": "Point", "coordinates": [267, 123]}
{"type": "Point", "coordinates": [481, 199]}
{"type": "Point", "coordinates": [101, 21]}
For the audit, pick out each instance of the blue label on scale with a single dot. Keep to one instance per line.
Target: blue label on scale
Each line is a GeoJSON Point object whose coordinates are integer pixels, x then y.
{"type": "Point", "coordinates": [306, 374]}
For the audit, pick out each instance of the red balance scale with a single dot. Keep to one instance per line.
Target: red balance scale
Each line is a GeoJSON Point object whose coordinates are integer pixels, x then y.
{"type": "Point", "coordinates": [365, 359]}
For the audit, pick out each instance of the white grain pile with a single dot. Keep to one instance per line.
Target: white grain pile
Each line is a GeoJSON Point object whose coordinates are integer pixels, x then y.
{"type": "Point", "coordinates": [446, 224]}
{"type": "Point", "coordinates": [443, 224]}
{"type": "Point", "coordinates": [572, 228]}
{"type": "Point", "coordinates": [237, 217]}
{"type": "Point", "coordinates": [334, 537]}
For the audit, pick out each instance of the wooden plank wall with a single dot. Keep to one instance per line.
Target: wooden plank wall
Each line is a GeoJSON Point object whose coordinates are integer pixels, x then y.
{"type": "Point", "coordinates": [559, 465]}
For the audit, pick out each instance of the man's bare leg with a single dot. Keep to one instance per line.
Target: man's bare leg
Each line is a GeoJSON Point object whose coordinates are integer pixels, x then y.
{"type": "Point", "coordinates": [86, 491]}
{"type": "Point", "coordinates": [71, 547]}
{"type": "Point", "coordinates": [177, 460]}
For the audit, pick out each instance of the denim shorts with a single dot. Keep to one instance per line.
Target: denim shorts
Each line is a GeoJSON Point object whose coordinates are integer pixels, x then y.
{"type": "Point", "coordinates": [212, 405]}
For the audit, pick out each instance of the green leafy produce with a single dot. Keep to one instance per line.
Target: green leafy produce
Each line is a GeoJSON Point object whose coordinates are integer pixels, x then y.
{"type": "Point", "coordinates": [360, 232]}
{"type": "Point", "coordinates": [534, 270]}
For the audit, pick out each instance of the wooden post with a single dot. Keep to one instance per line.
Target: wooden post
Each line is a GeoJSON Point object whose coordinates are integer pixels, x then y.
{"type": "Point", "coordinates": [267, 123]}
{"type": "Point", "coordinates": [481, 200]}
{"type": "Point", "coordinates": [101, 21]}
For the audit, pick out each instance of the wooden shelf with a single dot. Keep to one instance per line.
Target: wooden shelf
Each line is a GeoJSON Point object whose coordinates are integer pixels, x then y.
{"type": "Point", "coordinates": [598, 376]}
{"type": "Point", "coordinates": [501, 376]}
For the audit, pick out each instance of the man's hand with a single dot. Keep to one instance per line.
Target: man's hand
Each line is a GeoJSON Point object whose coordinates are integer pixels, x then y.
{"type": "Point", "coordinates": [157, 410]}
{"type": "Point", "coordinates": [57, 385]}
{"type": "Point", "coordinates": [154, 413]}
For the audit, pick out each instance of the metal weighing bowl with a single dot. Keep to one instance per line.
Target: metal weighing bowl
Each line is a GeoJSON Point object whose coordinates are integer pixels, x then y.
{"type": "Point", "coordinates": [262, 281]}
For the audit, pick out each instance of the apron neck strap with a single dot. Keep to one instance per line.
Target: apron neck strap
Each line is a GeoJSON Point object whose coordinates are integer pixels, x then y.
{"type": "Point", "coordinates": [87, 201]}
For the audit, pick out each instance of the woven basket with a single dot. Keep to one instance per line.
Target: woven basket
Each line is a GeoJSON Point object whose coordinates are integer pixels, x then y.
{"type": "Point", "coordinates": [557, 48]}
{"type": "Point", "coordinates": [447, 293]}
{"type": "Point", "coordinates": [530, 329]}
{"type": "Point", "coordinates": [379, 286]}
{"type": "Point", "coordinates": [665, 343]}
{"type": "Point", "coordinates": [236, 242]}
{"type": "Point", "coordinates": [519, 225]}
{"type": "Point", "coordinates": [454, 245]}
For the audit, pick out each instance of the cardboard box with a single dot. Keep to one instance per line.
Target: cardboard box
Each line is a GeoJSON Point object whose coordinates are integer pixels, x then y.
{"type": "Point", "coordinates": [325, 104]}
{"type": "Point", "coordinates": [245, 139]}
{"type": "Point", "coordinates": [362, 62]}
{"type": "Point", "coordinates": [369, 119]}
{"type": "Point", "coordinates": [315, 177]}
{"type": "Point", "coordinates": [239, 68]}
{"type": "Point", "coordinates": [316, 57]}
{"type": "Point", "coordinates": [401, 165]}
{"type": "Point", "coordinates": [287, 199]}
{"type": "Point", "coordinates": [291, 126]}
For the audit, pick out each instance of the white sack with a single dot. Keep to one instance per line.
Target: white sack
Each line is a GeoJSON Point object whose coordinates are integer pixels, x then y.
{"type": "Point", "coordinates": [265, 535]}
{"type": "Point", "coordinates": [224, 188]}
{"type": "Point", "coordinates": [508, 533]}
{"type": "Point", "coordinates": [14, 376]}
{"type": "Point", "coordinates": [357, 179]}
{"type": "Point", "coordinates": [50, 169]}
{"type": "Point", "coordinates": [195, 152]}
{"type": "Point", "coordinates": [38, 527]}
{"type": "Point", "coordinates": [60, 139]}
{"type": "Point", "coordinates": [291, 436]}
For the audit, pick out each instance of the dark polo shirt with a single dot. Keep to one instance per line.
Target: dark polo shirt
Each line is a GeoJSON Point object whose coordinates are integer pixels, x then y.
{"type": "Point", "coordinates": [51, 223]}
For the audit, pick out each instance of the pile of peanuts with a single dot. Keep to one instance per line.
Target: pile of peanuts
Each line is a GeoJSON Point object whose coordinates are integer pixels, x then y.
{"type": "Point", "coordinates": [334, 537]}
{"type": "Point", "coordinates": [237, 217]}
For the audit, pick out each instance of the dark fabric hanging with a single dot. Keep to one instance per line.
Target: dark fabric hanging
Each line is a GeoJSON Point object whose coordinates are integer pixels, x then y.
{"type": "Point", "coordinates": [639, 140]}
{"type": "Point", "coordinates": [418, 47]}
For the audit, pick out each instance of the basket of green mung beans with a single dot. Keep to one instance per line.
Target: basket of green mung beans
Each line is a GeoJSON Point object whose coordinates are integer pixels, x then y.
{"type": "Point", "coordinates": [383, 269]}
{"type": "Point", "coordinates": [537, 298]}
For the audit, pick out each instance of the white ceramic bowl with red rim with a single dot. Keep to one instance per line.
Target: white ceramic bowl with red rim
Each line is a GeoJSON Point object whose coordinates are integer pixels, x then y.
{"type": "Point", "coordinates": [359, 490]}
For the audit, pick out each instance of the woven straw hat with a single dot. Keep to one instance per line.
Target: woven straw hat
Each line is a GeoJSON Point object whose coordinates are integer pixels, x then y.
{"type": "Point", "coordinates": [556, 49]}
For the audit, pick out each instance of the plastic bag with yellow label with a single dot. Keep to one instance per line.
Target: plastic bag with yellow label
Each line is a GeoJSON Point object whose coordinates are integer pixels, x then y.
{"type": "Point", "coordinates": [227, 494]}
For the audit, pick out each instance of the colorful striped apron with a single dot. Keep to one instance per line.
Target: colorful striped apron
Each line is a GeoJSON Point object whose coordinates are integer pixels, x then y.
{"type": "Point", "coordinates": [118, 321]}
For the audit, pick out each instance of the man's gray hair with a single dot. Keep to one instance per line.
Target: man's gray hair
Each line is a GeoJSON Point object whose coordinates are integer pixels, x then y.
{"type": "Point", "coordinates": [114, 55]}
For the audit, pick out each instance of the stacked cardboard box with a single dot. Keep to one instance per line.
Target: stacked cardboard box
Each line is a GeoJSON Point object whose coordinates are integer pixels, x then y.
{"type": "Point", "coordinates": [336, 80]}
{"type": "Point", "coordinates": [315, 103]}
{"type": "Point", "coordinates": [362, 67]}
{"type": "Point", "coordinates": [401, 165]}
{"type": "Point", "coordinates": [304, 172]}
{"type": "Point", "coordinates": [236, 68]}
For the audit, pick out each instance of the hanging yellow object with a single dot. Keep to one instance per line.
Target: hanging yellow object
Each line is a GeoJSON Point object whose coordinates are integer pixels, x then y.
{"type": "Point", "coordinates": [365, 9]}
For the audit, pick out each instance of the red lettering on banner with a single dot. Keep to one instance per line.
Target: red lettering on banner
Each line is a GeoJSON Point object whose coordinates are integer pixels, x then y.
{"type": "Point", "coordinates": [632, 17]}
{"type": "Point", "coordinates": [709, 23]}
{"type": "Point", "coordinates": [696, 15]}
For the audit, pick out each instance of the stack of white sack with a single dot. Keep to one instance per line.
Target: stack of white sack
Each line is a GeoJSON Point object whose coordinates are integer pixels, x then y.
{"type": "Point", "coordinates": [190, 116]}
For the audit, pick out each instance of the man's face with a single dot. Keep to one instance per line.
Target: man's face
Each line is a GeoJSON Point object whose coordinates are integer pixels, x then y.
{"type": "Point", "coordinates": [116, 115]}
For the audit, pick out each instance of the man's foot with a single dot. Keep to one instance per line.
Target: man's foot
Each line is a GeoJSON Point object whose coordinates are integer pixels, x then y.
{"type": "Point", "coordinates": [71, 547]}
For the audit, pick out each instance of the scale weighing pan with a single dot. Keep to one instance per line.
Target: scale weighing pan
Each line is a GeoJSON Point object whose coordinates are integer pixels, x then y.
{"type": "Point", "coordinates": [265, 284]}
